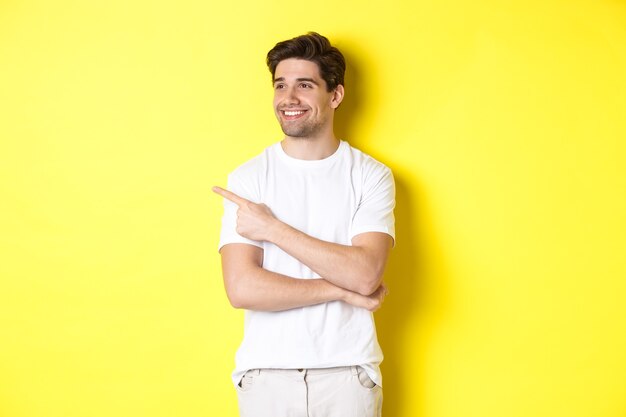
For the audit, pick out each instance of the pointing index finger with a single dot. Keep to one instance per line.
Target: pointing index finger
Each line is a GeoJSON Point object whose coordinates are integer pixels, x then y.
{"type": "Point", "coordinates": [229, 195]}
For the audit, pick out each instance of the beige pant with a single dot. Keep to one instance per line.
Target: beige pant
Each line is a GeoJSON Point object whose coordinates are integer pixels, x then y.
{"type": "Point", "coordinates": [330, 392]}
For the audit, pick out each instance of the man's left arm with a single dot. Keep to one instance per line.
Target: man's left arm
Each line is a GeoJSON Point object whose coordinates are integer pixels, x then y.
{"type": "Point", "coordinates": [357, 268]}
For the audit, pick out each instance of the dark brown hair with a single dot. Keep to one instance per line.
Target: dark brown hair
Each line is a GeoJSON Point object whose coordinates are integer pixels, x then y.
{"type": "Point", "coordinates": [311, 47]}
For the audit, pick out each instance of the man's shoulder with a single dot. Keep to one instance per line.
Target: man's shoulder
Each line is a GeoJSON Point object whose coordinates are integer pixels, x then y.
{"type": "Point", "coordinates": [367, 163]}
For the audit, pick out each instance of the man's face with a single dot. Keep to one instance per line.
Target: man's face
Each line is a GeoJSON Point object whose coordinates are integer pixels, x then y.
{"type": "Point", "coordinates": [302, 105]}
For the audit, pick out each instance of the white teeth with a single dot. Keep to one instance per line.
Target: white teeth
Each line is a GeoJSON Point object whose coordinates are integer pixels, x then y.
{"type": "Point", "coordinates": [293, 113]}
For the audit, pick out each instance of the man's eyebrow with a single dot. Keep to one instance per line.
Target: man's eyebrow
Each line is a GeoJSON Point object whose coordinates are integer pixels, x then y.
{"type": "Point", "coordinates": [311, 80]}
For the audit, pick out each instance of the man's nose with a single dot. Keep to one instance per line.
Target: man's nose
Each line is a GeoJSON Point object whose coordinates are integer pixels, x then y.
{"type": "Point", "coordinates": [292, 96]}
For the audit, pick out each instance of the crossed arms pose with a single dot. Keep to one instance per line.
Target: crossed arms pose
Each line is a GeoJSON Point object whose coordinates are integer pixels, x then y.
{"type": "Point", "coordinates": [352, 274]}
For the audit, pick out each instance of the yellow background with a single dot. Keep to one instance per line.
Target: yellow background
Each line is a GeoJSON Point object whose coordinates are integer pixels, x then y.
{"type": "Point", "coordinates": [504, 123]}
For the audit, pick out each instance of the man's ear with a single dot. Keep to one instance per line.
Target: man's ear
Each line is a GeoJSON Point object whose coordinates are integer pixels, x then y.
{"type": "Point", "coordinates": [337, 97]}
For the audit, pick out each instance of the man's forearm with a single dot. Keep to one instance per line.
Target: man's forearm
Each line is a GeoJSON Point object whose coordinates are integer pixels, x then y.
{"type": "Point", "coordinates": [262, 290]}
{"type": "Point", "coordinates": [250, 286]}
{"type": "Point", "coordinates": [355, 268]}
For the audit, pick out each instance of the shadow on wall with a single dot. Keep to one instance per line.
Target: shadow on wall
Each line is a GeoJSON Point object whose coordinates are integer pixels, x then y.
{"type": "Point", "coordinates": [392, 320]}
{"type": "Point", "coordinates": [348, 111]}
{"type": "Point", "coordinates": [405, 273]}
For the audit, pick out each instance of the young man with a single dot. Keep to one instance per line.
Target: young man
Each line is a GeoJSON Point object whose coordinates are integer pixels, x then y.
{"type": "Point", "coordinates": [307, 228]}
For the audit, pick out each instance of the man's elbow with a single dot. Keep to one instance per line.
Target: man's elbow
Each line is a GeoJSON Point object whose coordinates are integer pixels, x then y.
{"type": "Point", "coordinates": [234, 292]}
{"type": "Point", "coordinates": [369, 283]}
{"type": "Point", "coordinates": [369, 272]}
{"type": "Point", "coordinates": [236, 301]}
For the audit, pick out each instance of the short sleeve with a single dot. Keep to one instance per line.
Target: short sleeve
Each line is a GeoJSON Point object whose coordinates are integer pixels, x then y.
{"type": "Point", "coordinates": [229, 234]}
{"type": "Point", "coordinates": [375, 210]}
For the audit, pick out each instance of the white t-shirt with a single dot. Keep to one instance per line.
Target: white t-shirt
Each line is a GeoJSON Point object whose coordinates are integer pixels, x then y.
{"type": "Point", "coordinates": [333, 199]}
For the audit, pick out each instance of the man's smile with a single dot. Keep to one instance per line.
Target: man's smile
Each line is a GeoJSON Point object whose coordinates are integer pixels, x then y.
{"type": "Point", "coordinates": [292, 114]}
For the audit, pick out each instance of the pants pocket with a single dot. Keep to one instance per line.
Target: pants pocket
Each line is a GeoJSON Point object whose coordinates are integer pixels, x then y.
{"type": "Point", "coordinates": [364, 379]}
{"type": "Point", "coordinates": [248, 380]}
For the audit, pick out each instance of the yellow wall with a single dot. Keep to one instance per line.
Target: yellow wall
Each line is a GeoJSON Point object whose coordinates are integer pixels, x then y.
{"type": "Point", "coordinates": [503, 121]}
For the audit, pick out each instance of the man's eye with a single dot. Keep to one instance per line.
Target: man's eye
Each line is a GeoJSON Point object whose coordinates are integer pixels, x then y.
{"type": "Point", "coordinates": [279, 86]}
{"type": "Point", "coordinates": [305, 86]}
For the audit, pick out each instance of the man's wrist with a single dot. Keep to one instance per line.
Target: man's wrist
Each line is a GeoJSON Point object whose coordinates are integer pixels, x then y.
{"type": "Point", "coordinates": [343, 294]}
{"type": "Point", "coordinates": [276, 230]}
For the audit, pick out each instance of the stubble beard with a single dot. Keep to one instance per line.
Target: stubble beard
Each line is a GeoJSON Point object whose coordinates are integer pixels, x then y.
{"type": "Point", "coordinates": [302, 130]}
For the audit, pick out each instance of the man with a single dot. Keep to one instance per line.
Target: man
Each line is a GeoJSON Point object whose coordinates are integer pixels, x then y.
{"type": "Point", "coordinates": [307, 228]}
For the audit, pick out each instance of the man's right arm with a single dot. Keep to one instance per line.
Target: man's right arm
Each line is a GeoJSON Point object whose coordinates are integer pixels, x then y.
{"type": "Point", "coordinates": [250, 286]}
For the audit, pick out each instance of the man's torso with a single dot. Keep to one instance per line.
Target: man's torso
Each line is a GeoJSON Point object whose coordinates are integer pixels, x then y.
{"type": "Point", "coordinates": [331, 199]}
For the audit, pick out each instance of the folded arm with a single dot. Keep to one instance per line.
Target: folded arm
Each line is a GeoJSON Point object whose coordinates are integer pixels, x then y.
{"type": "Point", "coordinates": [358, 268]}
{"type": "Point", "coordinates": [250, 286]}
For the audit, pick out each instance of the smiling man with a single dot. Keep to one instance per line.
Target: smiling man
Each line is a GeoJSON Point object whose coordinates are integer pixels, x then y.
{"type": "Point", "coordinates": [307, 228]}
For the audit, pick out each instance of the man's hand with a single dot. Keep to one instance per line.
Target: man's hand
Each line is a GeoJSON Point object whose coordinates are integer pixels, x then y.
{"type": "Point", "coordinates": [254, 221]}
{"type": "Point", "coordinates": [370, 302]}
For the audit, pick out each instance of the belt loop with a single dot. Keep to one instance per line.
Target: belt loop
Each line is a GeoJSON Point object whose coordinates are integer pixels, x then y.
{"type": "Point", "coordinates": [355, 370]}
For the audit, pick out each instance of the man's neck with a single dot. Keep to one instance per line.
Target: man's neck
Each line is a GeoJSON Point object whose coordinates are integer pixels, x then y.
{"type": "Point", "coordinates": [310, 148]}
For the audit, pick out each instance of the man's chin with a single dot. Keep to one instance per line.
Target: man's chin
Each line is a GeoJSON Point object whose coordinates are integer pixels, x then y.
{"type": "Point", "coordinates": [303, 132]}
{"type": "Point", "coordinates": [297, 137]}
{"type": "Point", "coordinates": [296, 134]}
